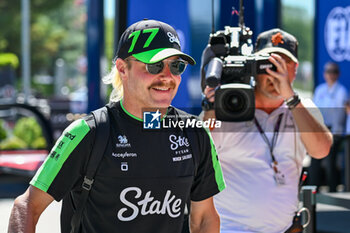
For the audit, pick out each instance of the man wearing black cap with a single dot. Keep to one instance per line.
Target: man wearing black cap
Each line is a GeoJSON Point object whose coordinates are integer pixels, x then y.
{"type": "Point", "coordinates": [262, 159]}
{"type": "Point", "coordinates": [146, 175]}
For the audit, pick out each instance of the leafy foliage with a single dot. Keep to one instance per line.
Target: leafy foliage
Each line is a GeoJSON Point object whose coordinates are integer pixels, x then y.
{"type": "Point", "coordinates": [39, 143]}
{"type": "Point", "coordinates": [28, 130]}
{"type": "Point", "coordinates": [8, 59]}
{"type": "Point", "coordinates": [57, 26]}
{"type": "Point", "coordinates": [13, 143]}
{"type": "Point", "coordinates": [297, 22]}
{"type": "Point", "coordinates": [109, 40]}
{"type": "Point", "coordinates": [3, 133]}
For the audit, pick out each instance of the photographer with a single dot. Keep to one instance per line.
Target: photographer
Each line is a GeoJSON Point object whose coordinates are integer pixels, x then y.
{"type": "Point", "coordinates": [262, 159]}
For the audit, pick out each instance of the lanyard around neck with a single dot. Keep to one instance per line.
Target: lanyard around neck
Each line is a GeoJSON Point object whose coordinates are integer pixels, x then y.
{"type": "Point", "coordinates": [274, 138]}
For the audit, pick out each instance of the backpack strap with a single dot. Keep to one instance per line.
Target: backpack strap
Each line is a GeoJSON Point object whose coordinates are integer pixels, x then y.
{"type": "Point", "coordinates": [102, 125]}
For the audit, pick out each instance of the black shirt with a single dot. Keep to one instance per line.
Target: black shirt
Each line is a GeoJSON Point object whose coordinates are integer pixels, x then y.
{"type": "Point", "coordinates": [144, 179]}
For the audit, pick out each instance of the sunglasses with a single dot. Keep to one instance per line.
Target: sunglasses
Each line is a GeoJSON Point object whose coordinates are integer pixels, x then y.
{"type": "Point", "coordinates": [332, 71]}
{"type": "Point", "coordinates": [177, 67]}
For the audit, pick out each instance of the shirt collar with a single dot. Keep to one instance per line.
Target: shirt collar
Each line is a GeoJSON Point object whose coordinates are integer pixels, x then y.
{"type": "Point", "coordinates": [333, 87]}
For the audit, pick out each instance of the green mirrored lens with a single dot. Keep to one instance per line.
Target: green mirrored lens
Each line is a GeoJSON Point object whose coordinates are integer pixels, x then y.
{"type": "Point", "coordinates": [155, 68]}
{"type": "Point", "coordinates": [177, 67]}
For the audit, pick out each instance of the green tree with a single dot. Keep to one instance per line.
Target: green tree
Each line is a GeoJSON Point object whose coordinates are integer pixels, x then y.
{"type": "Point", "coordinates": [9, 59]}
{"type": "Point", "coordinates": [57, 31]}
{"type": "Point", "coordinates": [10, 23]}
{"type": "Point", "coordinates": [28, 130]}
{"type": "Point", "coordinates": [297, 22]}
{"type": "Point", "coordinates": [13, 143]}
{"type": "Point", "coordinates": [109, 40]}
{"type": "Point", "coordinates": [72, 19]}
{"type": "Point", "coordinates": [3, 133]}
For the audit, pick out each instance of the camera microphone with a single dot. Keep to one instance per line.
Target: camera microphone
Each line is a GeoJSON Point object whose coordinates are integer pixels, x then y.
{"type": "Point", "coordinates": [213, 73]}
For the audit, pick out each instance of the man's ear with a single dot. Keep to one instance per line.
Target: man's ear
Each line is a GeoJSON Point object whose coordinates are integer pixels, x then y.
{"type": "Point", "coordinates": [122, 68]}
{"type": "Point", "coordinates": [296, 69]}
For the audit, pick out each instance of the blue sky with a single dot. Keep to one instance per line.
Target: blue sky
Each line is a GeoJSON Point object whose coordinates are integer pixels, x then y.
{"type": "Point", "coordinates": [109, 6]}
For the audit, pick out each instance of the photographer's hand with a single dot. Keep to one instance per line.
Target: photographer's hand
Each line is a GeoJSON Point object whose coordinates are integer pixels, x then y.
{"type": "Point", "coordinates": [283, 77]}
{"type": "Point", "coordinates": [315, 136]}
{"type": "Point", "coordinates": [209, 93]}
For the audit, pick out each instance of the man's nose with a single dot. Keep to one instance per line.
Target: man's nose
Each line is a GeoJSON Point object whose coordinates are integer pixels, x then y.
{"type": "Point", "coordinates": [166, 71]}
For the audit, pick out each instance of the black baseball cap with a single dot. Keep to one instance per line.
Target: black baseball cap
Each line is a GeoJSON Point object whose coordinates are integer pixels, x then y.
{"type": "Point", "coordinates": [277, 41]}
{"type": "Point", "coordinates": [151, 41]}
{"type": "Point", "coordinates": [331, 67]}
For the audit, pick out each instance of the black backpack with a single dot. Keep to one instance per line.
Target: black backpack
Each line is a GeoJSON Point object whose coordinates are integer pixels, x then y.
{"type": "Point", "coordinates": [102, 125]}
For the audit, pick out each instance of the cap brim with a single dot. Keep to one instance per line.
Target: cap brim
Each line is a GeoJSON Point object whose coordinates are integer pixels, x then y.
{"type": "Point", "coordinates": [278, 50]}
{"type": "Point", "coordinates": [157, 55]}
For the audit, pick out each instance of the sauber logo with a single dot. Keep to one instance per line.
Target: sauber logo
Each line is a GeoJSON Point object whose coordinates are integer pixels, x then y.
{"type": "Point", "coordinates": [122, 139]}
{"type": "Point", "coordinates": [123, 142]}
{"type": "Point", "coordinates": [178, 142]}
{"type": "Point", "coordinates": [147, 205]}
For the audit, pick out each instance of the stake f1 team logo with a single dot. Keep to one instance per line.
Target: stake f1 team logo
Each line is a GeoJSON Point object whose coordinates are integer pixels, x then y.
{"type": "Point", "coordinates": [337, 34]}
{"type": "Point", "coordinates": [151, 120]}
{"type": "Point", "coordinates": [147, 205]}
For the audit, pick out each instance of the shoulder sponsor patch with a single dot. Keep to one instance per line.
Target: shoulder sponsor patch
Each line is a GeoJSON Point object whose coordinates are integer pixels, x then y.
{"type": "Point", "coordinates": [64, 146]}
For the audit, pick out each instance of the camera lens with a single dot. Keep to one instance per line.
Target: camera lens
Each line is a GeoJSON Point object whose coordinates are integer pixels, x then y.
{"type": "Point", "coordinates": [234, 102]}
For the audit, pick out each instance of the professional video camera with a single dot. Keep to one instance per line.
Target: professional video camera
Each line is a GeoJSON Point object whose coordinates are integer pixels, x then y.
{"type": "Point", "coordinates": [228, 63]}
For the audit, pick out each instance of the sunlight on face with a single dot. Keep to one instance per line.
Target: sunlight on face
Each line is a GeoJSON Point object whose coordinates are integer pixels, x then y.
{"type": "Point", "coordinates": [150, 90]}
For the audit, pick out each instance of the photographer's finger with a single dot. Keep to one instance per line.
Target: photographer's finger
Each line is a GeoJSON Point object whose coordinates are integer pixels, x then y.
{"type": "Point", "coordinates": [207, 89]}
{"type": "Point", "coordinates": [209, 93]}
{"type": "Point", "coordinates": [212, 99]}
{"type": "Point", "coordinates": [280, 60]}
{"type": "Point", "coordinates": [276, 63]}
{"type": "Point", "coordinates": [275, 74]}
{"type": "Point", "coordinates": [281, 72]}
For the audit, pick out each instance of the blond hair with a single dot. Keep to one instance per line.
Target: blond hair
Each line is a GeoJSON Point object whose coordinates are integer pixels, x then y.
{"type": "Point", "coordinates": [114, 78]}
